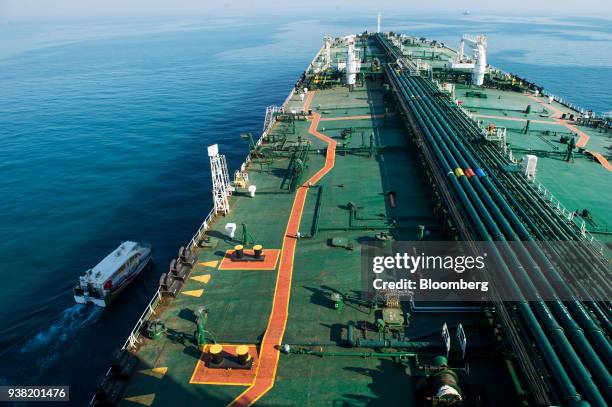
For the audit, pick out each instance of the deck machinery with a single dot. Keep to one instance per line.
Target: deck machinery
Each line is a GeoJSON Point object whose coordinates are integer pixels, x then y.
{"type": "Point", "coordinates": [399, 147]}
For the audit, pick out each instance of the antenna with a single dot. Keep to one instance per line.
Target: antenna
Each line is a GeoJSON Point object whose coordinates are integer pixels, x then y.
{"type": "Point", "coordinates": [220, 180]}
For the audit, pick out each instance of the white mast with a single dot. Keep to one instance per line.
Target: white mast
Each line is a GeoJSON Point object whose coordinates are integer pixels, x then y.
{"type": "Point", "coordinates": [378, 23]}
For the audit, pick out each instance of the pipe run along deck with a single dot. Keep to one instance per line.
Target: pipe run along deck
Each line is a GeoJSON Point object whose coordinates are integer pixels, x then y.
{"type": "Point", "coordinates": [495, 220]}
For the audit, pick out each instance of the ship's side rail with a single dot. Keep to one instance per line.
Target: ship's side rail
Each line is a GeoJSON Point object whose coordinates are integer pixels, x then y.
{"type": "Point", "coordinates": [548, 196]}
{"type": "Point", "coordinates": [202, 229]}
{"type": "Point", "coordinates": [133, 338]}
{"type": "Point", "coordinates": [312, 63]}
{"type": "Point", "coordinates": [560, 210]}
{"type": "Point", "coordinates": [546, 93]}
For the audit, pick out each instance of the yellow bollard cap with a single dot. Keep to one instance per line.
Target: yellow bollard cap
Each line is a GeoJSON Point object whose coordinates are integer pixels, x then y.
{"type": "Point", "coordinates": [215, 349]}
{"type": "Point", "coordinates": [238, 247]}
{"type": "Point", "coordinates": [242, 350]}
{"type": "Point", "coordinates": [257, 247]}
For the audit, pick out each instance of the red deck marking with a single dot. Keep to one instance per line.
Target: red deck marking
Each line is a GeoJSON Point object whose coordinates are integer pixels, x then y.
{"type": "Point", "coordinates": [269, 262]}
{"type": "Point", "coordinates": [308, 101]}
{"type": "Point", "coordinates": [229, 377]}
{"type": "Point", "coordinates": [269, 352]}
{"type": "Point", "coordinates": [584, 138]}
{"type": "Point", "coordinates": [375, 116]}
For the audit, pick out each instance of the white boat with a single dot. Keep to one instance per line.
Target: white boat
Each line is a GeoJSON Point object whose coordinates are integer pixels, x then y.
{"type": "Point", "coordinates": [101, 284]}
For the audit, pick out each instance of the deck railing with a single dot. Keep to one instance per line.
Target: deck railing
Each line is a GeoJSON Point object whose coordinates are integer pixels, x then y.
{"type": "Point", "coordinates": [134, 336]}
{"type": "Point", "coordinates": [132, 339]}
{"type": "Point", "coordinates": [550, 199]}
{"type": "Point", "coordinates": [569, 215]}
{"type": "Point", "coordinates": [561, 210]}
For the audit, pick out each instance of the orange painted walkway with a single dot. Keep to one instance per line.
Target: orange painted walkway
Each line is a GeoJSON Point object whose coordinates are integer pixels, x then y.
{"type": "Point", "coordinates": [583, 137]}
{"type": "Point", "coordinates": [269, 351]}
{"type": "Point", "coordinates": [602, 160]}
{"type": "Point", "coordinates": [556, 112]}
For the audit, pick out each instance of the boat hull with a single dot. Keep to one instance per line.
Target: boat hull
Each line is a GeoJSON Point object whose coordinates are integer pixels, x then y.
{"type": "Point", "coordinates": [114, 293]}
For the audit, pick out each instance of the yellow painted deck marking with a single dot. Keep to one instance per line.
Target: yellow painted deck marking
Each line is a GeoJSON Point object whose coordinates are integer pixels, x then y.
{"type": "Point", "coordinates": [194, 293]}
{"type": "Point", "coordinates": [202, 279]}
{"type": "Point", "coordinates": [145, 399]}
{"type": "Point", "coordinates": [212, 263]}
{"type": "Point", "coordinates": [157, 372]}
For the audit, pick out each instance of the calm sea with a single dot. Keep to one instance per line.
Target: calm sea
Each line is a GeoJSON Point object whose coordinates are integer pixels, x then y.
{"type": "Point", "coordinates": [103, 129]}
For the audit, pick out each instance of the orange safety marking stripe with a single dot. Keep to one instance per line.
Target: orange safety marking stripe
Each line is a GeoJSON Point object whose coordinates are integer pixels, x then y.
{"type": "Point", "coordinates": [308, 101]}
{"type": "Point", "coordinates": [269, 350]}
{"type": "Point", "coordinates": [557, 113]}
{"type": "Point", "coordinates": [602, 160]}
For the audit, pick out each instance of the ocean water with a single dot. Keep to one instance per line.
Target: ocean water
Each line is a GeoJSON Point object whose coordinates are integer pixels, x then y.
{"type": "Point", "coordinates": [103, 130]}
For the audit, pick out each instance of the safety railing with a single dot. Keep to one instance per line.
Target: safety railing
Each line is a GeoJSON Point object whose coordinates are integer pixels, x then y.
{"type": "Point", "coordinates": [134, 336]}
{"type": "Point", "coordinates": [551, 200]}
{"type": "Point", "coordinates": [312, 63]}
{"type": "Point", "coordinates": [203, 228]}
{"type": "Point", "coordinates": [565, 213]}
{"type": "Point", "coordinates": [132, 339]}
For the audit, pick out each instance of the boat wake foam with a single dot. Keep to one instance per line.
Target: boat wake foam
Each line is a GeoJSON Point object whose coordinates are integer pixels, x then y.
{"type": "Point", "coordinates": [49, 343]}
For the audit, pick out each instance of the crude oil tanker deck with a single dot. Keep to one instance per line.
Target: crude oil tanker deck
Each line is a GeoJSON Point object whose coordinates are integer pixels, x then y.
{"type": "Point", "coordinates": [388, 138]}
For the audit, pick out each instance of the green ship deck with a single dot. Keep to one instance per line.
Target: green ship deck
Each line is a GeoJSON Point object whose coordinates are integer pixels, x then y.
{"type": "Point", "coordinates": [240, 300]}
{"type": "Point", "coordinates": [352, 151]}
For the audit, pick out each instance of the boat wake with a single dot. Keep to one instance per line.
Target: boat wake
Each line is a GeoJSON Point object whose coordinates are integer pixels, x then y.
{"type": "Point", "coordinates": [50, 343]}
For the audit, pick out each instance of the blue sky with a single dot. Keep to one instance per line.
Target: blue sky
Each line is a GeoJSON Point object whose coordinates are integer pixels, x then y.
{"type": "Point", "coordinates": [28, 10]}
